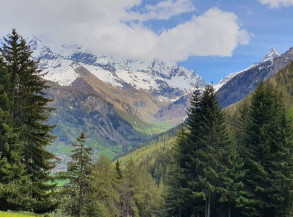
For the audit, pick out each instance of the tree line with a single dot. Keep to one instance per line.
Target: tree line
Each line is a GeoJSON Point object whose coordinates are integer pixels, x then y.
{"type": "Point", "coordinates": [105, 189]}
{"type": "Point", "coordinates": [215, 174]}
{"type": "Point", "coordinates": [26, 182]}
{"type": "Point", "coordinates": [25, 163]}
{"type": "Point", "coordinates": [212, 170]}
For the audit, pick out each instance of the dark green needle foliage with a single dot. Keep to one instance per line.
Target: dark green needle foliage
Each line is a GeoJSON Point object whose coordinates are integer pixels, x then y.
{"type": "Point", "coordinates": [203, 160]}
{"type": "Point", "coordinates": [12, 170]}
{"type": "Point", "coordinates": [78, 173]}
{"type": "Point", "coordinates": [266, 152]}
{"type": "Point", "coordinates": [25, 132]}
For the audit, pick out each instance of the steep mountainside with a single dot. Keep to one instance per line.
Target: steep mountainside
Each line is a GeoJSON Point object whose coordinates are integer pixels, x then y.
{"type": "Point", "coordinates": [178, 108]}
{"type": "Point", "coordinates": [80, 110]}
{"type": "Point", "coordinates": [154, 153]}
{"type": "Point", "coordinates": [246, 81]}
{"type": "Point", "coordinates": [166, 80]}
{"type": "Point", "coordinates": [136, 88]}
{"type": "Point", "coordinates": [114, 101]}
{"type": "Point", "coordinates": [273, 53]}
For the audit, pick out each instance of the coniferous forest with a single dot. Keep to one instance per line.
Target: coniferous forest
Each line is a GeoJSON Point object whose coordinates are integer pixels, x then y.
{"type": "Point", "coordinates": [222, 163]}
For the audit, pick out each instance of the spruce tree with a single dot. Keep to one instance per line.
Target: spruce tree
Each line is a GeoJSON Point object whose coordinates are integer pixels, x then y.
{"type": "Point", "coordinates": [176, 202]}
{"type": "Point", "coordinates": [204, 159]}
{"type": "Point", "coordinates": [78, 173]}
{"type": "Point", "coordinates": [266, 152]}
{"type": "Point", "coordinates": [29, 113]}
{"type": "Point", "coordinates": [103, 192]}
{"type": "Point", "coordinates": [11, 168]}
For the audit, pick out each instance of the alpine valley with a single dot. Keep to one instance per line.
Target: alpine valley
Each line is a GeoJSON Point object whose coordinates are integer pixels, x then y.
{"type": "Point", "coordinates": [113, 100]}
{"type": "Point", "coordinates": [121, 103]}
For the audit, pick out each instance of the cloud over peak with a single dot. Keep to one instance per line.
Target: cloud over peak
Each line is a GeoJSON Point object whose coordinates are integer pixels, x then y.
{"type": "Point", "coordinates": [101, 26]}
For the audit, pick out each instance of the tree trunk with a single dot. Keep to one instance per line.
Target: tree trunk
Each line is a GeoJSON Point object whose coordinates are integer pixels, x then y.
{"type": "Point", "coordinates": [206, 208]}
{"type": "Point", "coordinates": [229, 215]}
{"type": "Point", "coordinates": [81, 183]}
{"type": "Point", "coordinates": [209, 206]}
{"type": "Point", "coordinates": [80, 201]}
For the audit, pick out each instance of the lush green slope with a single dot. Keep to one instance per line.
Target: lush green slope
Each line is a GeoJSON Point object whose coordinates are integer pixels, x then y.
{"type": "Point", "coordinates": [154, 153]}
{"type": "Point", "coordinates": [245, 82]}
{"type": "Point", "coordinates": [283, 81]}
{"type": "Point", "coordinates": [80, 110]}
{"type": "Point", "coordinates": [18, 214]}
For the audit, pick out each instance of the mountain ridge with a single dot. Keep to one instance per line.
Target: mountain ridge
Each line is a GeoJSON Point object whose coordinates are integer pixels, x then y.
{"type": "Point", "coordinates": [180, 106]}
{"type": "Point", "coordinates": [166, 80]}
{"type": "Point", "coordinates": [245, 82]}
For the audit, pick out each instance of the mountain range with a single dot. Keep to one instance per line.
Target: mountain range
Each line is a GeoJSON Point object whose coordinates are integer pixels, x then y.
{"type": "Point", "coordinates": [121, 102]}
{"type": "Point", "coordinates": [234, 86]}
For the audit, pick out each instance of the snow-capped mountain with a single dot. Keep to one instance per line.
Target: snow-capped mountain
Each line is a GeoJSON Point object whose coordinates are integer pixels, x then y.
{"type": "Point", "coordinates": [166, 80]}
{"type": "Point", "coordinates": [273, 53]}
{"type": "Point", "coordinates": [244, 82]}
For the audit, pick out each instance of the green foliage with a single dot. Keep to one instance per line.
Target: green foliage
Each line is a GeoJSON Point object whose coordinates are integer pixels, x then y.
{"type": "Point", "coordinates": [266, 150]}
{"type": "Point", "coordinates": [18, 214]}
{"type": "Point", "coordinates": [112, 191]}
{"type": "Point", "coordinates": [200, 181]}
{"type": "Point", "coordinates": [24, 132]}
{"type": "Point", "coordinates": [78, 174]}
{"type": "Point", "coordinates": [103, 192]}
{"type": "Point", "coordinates": [154, 155]}
{"type": "Point", "coordinates": [138, 194]}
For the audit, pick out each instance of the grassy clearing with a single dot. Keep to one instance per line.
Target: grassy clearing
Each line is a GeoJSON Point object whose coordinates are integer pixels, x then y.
{"type": "Point", "coordinates": [19, 214]}
{"type": "Point", "coordinates": [109, 152]}
{"type": "Point", "coordinates": [157, 128]}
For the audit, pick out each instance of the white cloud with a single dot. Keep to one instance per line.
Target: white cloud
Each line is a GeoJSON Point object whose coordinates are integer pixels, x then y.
{"type": "Point", "coordinates": [163, 10]}
{"type": "Point", "coordinates": [214, 33]}
{"type": "Point", "coordinates": [277, 3]}
{"type": "Point", "coordinates": [100, 26]}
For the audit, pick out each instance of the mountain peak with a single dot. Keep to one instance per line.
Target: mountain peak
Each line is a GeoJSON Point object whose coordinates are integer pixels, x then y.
{"type": "Point", "coordinates": [273, 53]}
{"type": "Point", "coordinates": [270, 55]}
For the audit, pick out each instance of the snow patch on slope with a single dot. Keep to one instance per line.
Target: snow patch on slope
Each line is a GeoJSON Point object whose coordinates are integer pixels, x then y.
{"type": "Point", "coordinates": [166, 79]}
{"type": "Point", "coordinates": [63, 74]}
{"type": "Point", "coordinates": [104, 75]}
{"type": "Point", "coordinates": [273, 53]}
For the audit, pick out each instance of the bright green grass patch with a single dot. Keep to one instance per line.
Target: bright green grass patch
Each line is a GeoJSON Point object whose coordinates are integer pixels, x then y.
{"type": "Point", "coordinates": [60, 148]}
{"type": "Point", "coordinates": [60, 183]}
{"type": "Point", "coordinates": [109, 152]}
{"type": "Point", "coordinates": [64, 149]}
{"type": "Point", "coordinates": [159, 127]}
{"type": "Point", "coordinates": [18, 214]}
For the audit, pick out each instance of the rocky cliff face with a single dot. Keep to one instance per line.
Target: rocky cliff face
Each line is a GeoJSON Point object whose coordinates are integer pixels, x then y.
{"type": "Point", "coordinates": [108, 97]}
{"type": "Point", "coordinates": [245, 82]}
{"type": "Point", "coordinates": [81, 109]}
{"type": "Point", "coordinates": [233, 87]}
{"type": "Point", "coordinates": [166, 80]}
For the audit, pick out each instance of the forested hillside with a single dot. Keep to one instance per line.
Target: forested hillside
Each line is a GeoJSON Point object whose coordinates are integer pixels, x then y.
{"type": "Point", "coordinates": [232, 162]}
{"type": "Point", "coordinates": [238, 116]}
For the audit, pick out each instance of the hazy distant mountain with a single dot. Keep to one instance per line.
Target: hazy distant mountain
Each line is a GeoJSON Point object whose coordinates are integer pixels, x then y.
{"type": "Point", "coordinates": [244, 82]}
{"type": "Point", "coordinates": [166, 80]}
{"type": "Point", "coordinates": [273, 53]}
{"type": "Point", "coordinates": [113, 100]}
{"type": "Point", "coordinates": [179, 107]}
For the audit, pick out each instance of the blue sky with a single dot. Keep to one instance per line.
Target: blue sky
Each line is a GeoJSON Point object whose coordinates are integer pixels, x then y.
{"type": "Point", "coordinates": [212, 37]}
{"type": "Point", "coordinates": [269, 28]}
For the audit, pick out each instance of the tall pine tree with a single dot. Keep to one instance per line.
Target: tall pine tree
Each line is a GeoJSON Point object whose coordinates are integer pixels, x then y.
{"type": "Point", "coordinates": [29, 114]}
{"type": "Point", "coordinates": [266, 152]}
{"type": "Point", "coordinates": [204, 158]}
{"type": "Point", "coordinates": [12, 170]}
{"type": "Point", "coordinates": [78, 173]}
